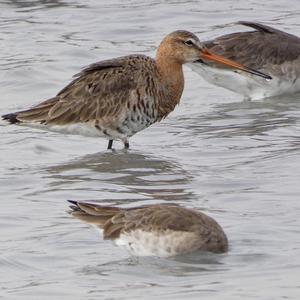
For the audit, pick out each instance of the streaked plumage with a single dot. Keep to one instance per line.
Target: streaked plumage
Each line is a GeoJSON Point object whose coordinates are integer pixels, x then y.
{"type": "Point", "coordinates": [119, 97]}
{"type": "Point", "coordinates": [266, 49]}
{"type": "Point", "coordinates": [154, 230]}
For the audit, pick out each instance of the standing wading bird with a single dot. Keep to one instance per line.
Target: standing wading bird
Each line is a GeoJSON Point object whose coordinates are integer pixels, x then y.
{"type": "Point", "coordinates": [119, 97]}
{"type": "Point", "coordinates": [154, 230]}
{"type": "Point", "coordinates": [267, 49]}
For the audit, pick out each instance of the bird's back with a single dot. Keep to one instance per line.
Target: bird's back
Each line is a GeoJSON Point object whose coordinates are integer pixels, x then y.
{"type": "Point", "coordinates": [160, 230]}
{"type": "Point", "coordinates": [257, 49]}
{"type": "Point", "coordinates": [117, 97]}
{"type": "Point", "coordinates": [266, 49]}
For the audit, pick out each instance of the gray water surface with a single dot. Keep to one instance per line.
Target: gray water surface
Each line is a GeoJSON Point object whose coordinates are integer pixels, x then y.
{"type": "Point", "coordinates": [237, 161]}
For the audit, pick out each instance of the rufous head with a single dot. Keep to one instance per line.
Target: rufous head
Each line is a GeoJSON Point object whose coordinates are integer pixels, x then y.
{"type": "Point", "coordinates": [184, 47]}
{"type": "Point", "coordinates": [180, 46]}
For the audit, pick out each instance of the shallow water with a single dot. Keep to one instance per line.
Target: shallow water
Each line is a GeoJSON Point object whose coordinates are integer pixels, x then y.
{"type": "Point", "coordinates": [237, 161]}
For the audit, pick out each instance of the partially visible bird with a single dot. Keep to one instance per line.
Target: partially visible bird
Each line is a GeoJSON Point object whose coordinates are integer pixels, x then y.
{"type": "Point", "coordinates": [119, 97]}
{"type": "Point", "coordinates": [154, 230]}
{"type": "Point", "coordinates": [266, 49]}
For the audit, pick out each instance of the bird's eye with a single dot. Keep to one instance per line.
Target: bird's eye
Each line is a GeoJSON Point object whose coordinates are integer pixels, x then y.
{"type": "Point", "coordinates": [189, 43]}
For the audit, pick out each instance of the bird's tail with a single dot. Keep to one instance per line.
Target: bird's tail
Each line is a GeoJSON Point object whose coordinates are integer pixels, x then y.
{"type": "Point", "coordinates": [11, 118]}
{"type": "Point", "coordinates": [92, 213]}
{"type": "Point", "coordinates": [37, 114]}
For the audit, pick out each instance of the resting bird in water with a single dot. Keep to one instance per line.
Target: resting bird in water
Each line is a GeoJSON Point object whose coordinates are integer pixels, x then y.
{"type": "Point", "coordinates": [266, 49]}
{"type": "Point", "coordinates": [119, 97]}
{"type": "Point", "coordinates": [154, 230]}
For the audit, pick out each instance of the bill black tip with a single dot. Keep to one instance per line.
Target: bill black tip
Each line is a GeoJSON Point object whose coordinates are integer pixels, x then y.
{"type": "Point", "coordinates": [261, 74]}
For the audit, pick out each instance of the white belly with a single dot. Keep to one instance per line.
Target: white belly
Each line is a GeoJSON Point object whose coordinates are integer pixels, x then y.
{"type": "Point", "coordinates": [250, 86]}
{"type": "Point", "coordinates": [79, 128]}
{"type": "Point", "coordinates": [90, 130]}
{"type": "Point", "coordinates": [162, 244]}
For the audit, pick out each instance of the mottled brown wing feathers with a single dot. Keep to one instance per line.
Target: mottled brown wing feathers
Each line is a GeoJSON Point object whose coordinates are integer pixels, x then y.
{"type": "Point", "coordinates": [38, 113]}
{"type": "Point", "coordinates": [149, 218]}
{"type": "Point", "coordinates": [257, 48]}
{"type": "Point", "coordinates": [158, 218]}
{"type": "Point", "coordinates": [100, 90]}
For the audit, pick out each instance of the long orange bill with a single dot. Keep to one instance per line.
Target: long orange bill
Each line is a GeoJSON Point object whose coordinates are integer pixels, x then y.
{"type": "Point", "coordinates": [216, 58]}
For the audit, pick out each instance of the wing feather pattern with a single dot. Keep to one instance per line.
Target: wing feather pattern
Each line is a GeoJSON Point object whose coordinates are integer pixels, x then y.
{"type": "Point", "coordinates": [102, 90]}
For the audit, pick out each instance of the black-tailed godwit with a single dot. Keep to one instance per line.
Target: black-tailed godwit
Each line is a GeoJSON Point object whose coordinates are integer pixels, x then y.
{"type": "Point", "coordinates": [119, 97]}
{"type": "Point", "coordinates": [265, 49]}
{"type": "Point", "coordinates": [154, 230]}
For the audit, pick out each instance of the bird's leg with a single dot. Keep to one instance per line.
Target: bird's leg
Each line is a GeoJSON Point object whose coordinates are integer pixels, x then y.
{"type": "Point", "coordinates": [126, 144]}
{"type": "Point", "coordinates": [110, 143]}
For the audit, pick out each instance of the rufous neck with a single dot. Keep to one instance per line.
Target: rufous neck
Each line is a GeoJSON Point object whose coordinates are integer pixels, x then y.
{"type": "Point", "coordinates": [171, 73]}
